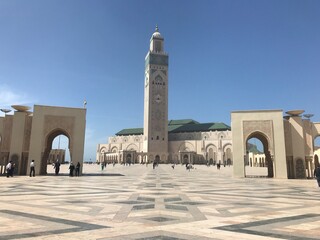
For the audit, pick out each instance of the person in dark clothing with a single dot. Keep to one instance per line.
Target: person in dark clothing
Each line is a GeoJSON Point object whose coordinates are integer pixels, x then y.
{"type": "Point", "coordinates": [71, 169]}
{"type": "Point", "coordinates": [78, 169]}
{"type": "Point", "coordinates": [32, 170]}
{"type": "Point", "coordinates": [317, 175]}
{"type": "Point", "coordinates": [57, 167]}
{"type": "Point", "coordinates": [13, 165]}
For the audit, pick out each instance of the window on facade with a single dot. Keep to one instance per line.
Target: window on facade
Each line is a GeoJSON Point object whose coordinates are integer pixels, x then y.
{"type": "Point", "coordinates": [157, 137]}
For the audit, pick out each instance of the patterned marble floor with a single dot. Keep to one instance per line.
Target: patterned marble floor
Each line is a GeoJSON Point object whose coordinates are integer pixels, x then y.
{"type": "Point", "coordinates": [140, 203]}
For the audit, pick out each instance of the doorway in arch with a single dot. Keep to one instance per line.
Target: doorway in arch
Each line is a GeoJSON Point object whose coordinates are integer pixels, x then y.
{"type": "Point", "coordinates": [258, 160]}
{"type": "Point", "coordinates": [157, 159]}
{"type": "Point", "coordinates": [50, 140]}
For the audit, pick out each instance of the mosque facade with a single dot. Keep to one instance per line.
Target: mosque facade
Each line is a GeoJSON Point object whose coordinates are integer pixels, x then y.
{"type": "Point", "coordinates": [160, 140]}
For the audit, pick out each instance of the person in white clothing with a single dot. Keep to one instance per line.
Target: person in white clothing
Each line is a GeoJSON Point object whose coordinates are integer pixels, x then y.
{"type": "Point", "coordinates": [8, 168]}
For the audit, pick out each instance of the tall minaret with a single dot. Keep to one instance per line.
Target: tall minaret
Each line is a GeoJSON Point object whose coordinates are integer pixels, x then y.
{"type": "Point", "coordinates": [156, 100]}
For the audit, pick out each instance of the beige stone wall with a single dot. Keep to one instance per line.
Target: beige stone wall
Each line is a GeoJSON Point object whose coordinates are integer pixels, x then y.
{"type": "Point", "coordinates": [6, 133]}
{"type": "Point", "coordinates": [27, 133]}
{"type": "Point", "coordinates": [287, 135]}
{"type": "Point", "coordinates": [316, 129]}
{"type": "Point", "coordinates": [308, 136]}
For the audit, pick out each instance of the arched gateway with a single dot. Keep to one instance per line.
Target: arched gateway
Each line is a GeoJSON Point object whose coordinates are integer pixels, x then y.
{"type": "Point", "coordinates": [50, 122]}
{"type": "Point", "coordinates": [26, 136]}
{"type": "Point", "coordinates": [267, 126]}
{"type": "Point", "coordinates": [288, 141]}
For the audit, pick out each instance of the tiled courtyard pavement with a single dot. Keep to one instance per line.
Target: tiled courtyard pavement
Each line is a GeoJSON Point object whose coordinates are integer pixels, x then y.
{"type": "Point", "coordinates": [138, 203]}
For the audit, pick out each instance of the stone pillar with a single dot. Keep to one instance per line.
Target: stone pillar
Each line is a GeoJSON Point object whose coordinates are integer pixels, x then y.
{"type": "Point", "coordinates": [17, 139]}
{"type": "Point", "coordinates": [298, 145]}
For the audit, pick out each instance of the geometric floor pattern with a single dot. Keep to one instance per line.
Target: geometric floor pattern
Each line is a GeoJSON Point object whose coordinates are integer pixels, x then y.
{"type": "Point", "coordinates": [140, 203]}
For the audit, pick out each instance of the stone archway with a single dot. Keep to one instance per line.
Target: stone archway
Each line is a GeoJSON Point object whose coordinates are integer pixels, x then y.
{"type": "Point", "coordinates": [269, 127]}
{"type": "Point", "coordinates": [227, 154]}
{"type": "Point", "coordinates": [157, 159]}
{"type": "Point", "coordinates": [128, 159]}
{"type": "Point", "coordinates": [211, 154]}
{"type": "Point", "coordinates": [49, 122]}
{"type": "Point", "coordinates": [48, 146]}
{"type": "Point", "coordinates": [185, 159]}
{"type": "Point", "coordinates": [266, 148]}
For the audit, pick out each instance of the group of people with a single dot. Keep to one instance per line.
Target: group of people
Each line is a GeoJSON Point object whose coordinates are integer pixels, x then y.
{"type": "Point", "coordinates": [72, 168]}
{"type": "Point", "coordinates": [11, 166]}
{"type": "Point", "coordinates": [57, 164]}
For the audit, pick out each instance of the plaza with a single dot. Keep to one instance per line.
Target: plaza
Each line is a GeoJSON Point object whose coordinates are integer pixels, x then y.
{"type": "Point", "coordinates": [139, 202]}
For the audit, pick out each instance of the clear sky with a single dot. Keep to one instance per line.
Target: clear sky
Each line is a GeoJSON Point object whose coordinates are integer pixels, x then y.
{"type": "Point", "coordinates": [223, 56]}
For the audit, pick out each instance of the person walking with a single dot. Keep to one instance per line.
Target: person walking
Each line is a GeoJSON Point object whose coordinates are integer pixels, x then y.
{"type": "Point", "coordinates": [13, 165]}
{"type": "Point", "coordinates": [32, 170]}
{"type": "Point", "coordinates": [78, 169]}
{"type": "Point", "coordinates": [71, 169]}
{"type": "Point", "coordinates": [317, 175]}
{"type": "Point", "coordinates": [57, 167]}
{"type": "Point", "coordinates": [8, 169]}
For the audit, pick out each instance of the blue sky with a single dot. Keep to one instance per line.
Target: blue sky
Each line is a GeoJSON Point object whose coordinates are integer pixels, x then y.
{"type": "Point", "coordinates": [223, 56]}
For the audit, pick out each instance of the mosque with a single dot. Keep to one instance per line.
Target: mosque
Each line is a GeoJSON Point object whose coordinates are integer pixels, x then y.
{"type": "Point", "coordinates": [287, 139]}
{"type": "Point", "coordinates": [160, 140]}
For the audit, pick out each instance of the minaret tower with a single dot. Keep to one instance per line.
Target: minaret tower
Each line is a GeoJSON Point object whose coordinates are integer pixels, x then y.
{"type": "Point", "coordinates": [156, 101]}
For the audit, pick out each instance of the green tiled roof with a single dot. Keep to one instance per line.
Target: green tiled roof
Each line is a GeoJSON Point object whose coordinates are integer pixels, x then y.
{"type": "Point", "coordinates": [182, 122]}
{"type": "Point", "coordinates": [200, 127]}
{"type": "Point", "coordinates": [130, 131]}
{"type": "Point", "coordinates": [178, 126]}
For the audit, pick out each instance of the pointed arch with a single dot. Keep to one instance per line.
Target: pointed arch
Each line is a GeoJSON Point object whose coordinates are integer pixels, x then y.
{"type": "Point", "coordinates": [132, 147]}
{"type": "Point", "coordinates": [47, 147]}
{"type": "Point", "coordinates": [114, 149]}
{"type": "Point", "coordinates": [265, 140]}
{"type": "Point", "coordinates": [186, 147]}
